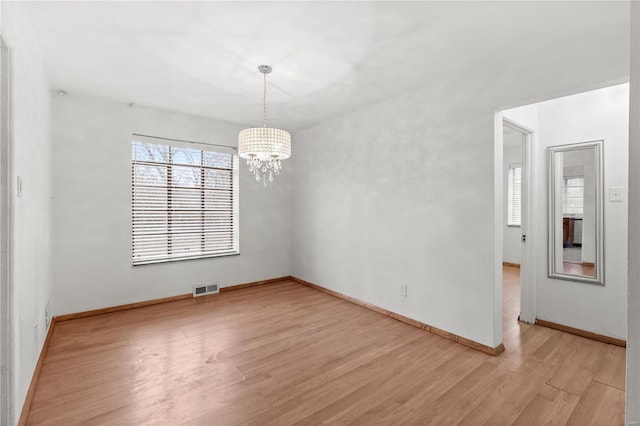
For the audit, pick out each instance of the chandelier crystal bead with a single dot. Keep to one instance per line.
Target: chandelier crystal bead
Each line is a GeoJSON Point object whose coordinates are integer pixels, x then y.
{"type": "Point", "coordinates": [264, 147]}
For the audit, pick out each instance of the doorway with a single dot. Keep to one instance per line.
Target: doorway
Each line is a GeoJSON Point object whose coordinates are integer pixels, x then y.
{"type": "Point", "coordinates": [517, 227]}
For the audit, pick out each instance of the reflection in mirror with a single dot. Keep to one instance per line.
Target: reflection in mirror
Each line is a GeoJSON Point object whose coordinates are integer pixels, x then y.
{"type": "Point", "coordinates": [575, 212]}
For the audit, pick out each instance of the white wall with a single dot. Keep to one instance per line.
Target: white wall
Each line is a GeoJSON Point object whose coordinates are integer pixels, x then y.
{"type": "Point", "coordinates": [511, 246]}
{"type": "Point", "coordinates": [402, 193]}
{"type": "Point", "coordinates": [30, 159]}
{"type": "Point", "coordinates": [599, 114]}
{"type": "Point", "coordinates": [92, 209]}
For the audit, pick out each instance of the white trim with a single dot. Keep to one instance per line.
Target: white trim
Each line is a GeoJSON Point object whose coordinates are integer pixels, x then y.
{"type": "Point", "coordinates": [632, 394]}
{"type": "Point", "coordinates": [6, 214]}
{"type": "Point", "coordinates": [498, 224]}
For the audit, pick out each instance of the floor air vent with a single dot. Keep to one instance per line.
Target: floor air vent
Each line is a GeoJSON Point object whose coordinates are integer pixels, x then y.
{"type": "Point", "coordinates": [205, 289]}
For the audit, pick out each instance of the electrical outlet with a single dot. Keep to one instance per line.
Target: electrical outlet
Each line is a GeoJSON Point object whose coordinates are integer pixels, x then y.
{"type": "Point", "coordinates": [47, 315]}
{"type": "Point", "coordinates": [403, 290]}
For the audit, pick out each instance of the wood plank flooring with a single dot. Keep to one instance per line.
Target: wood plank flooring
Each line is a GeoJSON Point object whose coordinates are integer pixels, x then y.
{"type": "Point", "coordinates": [284, 353]}
{"type": "Point", "coordinates": [572, 268]}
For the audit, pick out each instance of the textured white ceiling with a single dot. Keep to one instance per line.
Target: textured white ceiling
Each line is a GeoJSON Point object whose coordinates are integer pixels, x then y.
{"type": "Point", "coordinates": [329, 58]}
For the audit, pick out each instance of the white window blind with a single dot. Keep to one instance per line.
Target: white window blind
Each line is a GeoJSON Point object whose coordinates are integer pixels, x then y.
{"type": "Point", "coordinates": [184, 203]}
{"type": "Point", "coordinates": [573, 197]}
{"type": "Point", "coordinates": [514, 195]}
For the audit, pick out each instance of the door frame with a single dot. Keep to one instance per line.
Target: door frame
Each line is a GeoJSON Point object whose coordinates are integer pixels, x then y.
{"type": "Point", "coordinates": [528, 225]}
{"type": "Point", "coordinates": [6, 336]}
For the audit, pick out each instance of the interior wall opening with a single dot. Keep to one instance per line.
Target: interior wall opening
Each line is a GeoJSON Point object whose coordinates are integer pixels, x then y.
{"type": "Point", "coordinates": [569, 299]}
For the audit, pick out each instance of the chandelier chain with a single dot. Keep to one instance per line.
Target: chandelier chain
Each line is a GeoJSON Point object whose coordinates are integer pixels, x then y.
{"type": "Point", "coordinates": [264, 102]}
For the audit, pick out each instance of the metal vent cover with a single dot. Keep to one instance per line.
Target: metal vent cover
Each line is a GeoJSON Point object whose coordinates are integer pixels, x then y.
{"type": "Point", "coordinates": [205, 289]}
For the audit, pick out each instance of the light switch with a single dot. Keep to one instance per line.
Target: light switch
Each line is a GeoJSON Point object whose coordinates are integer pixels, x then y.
{"type": "Point", "coordinates": [615, 193]}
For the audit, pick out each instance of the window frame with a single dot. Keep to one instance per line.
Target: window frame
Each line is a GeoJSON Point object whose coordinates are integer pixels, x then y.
{"type": "Point", "coordinates": [201, 189]}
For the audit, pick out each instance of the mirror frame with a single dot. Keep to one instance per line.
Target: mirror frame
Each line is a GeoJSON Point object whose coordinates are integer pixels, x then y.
{"type": "Point", "coordinates": [599, 206]}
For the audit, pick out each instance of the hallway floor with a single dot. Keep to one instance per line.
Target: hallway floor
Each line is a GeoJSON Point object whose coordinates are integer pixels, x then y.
{"type": "Point", "coordinates": [580, 375]}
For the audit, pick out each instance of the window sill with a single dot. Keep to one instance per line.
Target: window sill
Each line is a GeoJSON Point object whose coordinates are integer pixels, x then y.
{"type": "Point", "coordinates": [177, 259]}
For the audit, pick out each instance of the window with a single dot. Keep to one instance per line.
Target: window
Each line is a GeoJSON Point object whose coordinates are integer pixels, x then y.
{"type": "Point", "coordinates": [573, 196]}
{"type": "Point", "coordinates": [514, 194]}
{"type": "Point", "coordinates": [184, 202]}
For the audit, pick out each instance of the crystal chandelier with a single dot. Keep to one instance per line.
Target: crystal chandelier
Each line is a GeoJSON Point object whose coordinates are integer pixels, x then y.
{"type": "Point", "coordinates": [264, 147]}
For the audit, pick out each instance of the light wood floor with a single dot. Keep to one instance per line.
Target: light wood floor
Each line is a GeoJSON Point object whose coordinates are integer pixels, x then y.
{"type": "Point", "coordinates": [285, 353]}
{"type": "Point", "coordinates": [581, 269]}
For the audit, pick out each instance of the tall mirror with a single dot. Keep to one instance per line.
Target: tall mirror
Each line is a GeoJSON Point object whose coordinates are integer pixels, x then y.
{"type": "Point", "coordinates": [576, 212]}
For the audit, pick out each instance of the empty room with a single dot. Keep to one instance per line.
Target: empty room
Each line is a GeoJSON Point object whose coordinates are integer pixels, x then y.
{"type": "Point", "coordinates": [356, 212]}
